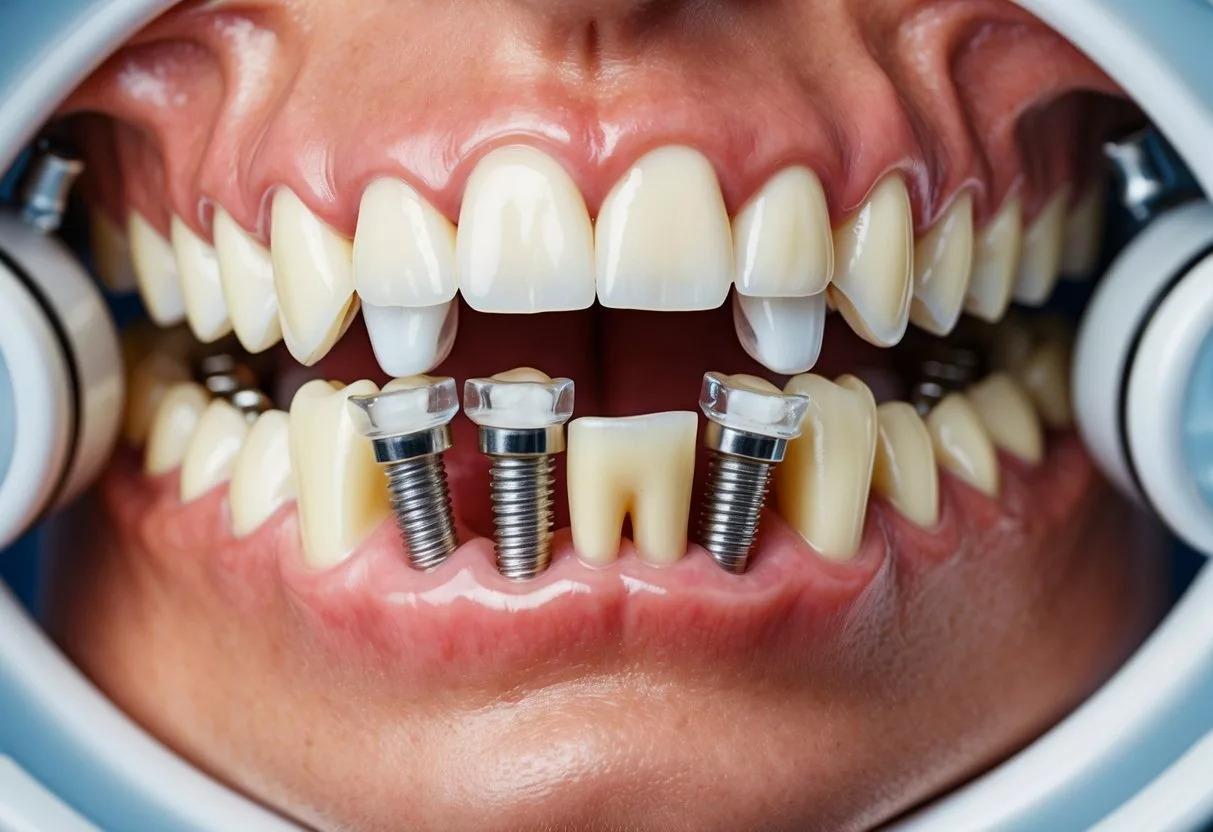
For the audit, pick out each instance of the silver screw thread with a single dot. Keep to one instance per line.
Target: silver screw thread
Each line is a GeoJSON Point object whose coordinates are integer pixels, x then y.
{"type": "Point", "coordinates": [735, 494]}
{"type": "Point", "coordinates": [523, 489]}
{"type": "Point", "coordinates": [422, 503]}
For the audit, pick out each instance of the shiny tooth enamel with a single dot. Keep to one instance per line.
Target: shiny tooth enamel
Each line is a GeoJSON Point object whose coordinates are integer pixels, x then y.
{"type": "Point", "coordinates": [341, 490]}
{"type": "Point", "coordinates": [821, 488]}
{"type": "Point", "coordinates": [962, 444]}
{"type": "Point", "coordinates": [404, 249]}
{"type": "Point", "coordinates": [1043, 247]}
{"type": "Point", "coordinates": [1010, 418]}
{"type": "Point", "coordinates": [155, 271]}
{"type": "Point", "coordinates": [148, 380]}
{"type": "Point", "coordinates": [313, 278]}
{"type": "Point", "coordinates": [782, 242]}
{"type": "Point", "coordinates": [904, 472]}
{"type": "Point", "coordinates": [211, 453]}
{"type": "Point", "coordinates": [411, 340]}
{"type": "Point", "coordinates": [1084, 235]}
{"type": "Point", "coordinates": [874, 264]}
{"type": "Point", "coordinates": [996, 252]}
{"type": "Point", "coordinates": [111, 252]}
{"type": "Point", "coordinates": [640, 466]}
{"type": "Point", "coordinates": [943, 263]}
{"type": "Point", "coordinates": [205, 308]}
{"type": "Point", "coordinates": [663, 239]}
{"type": "Point", "coordinates": [262, 478]}
{"type": "Point", "coordinates": [174, 423]}
{"type": "Point", "coordinates": [1045, 374]}
{"type": "Point", "coordinates": [525, 242]}
{"type": "Point", "coordinates": [782, 334]}
{"type": "Point", "coordinates": [247, 274]}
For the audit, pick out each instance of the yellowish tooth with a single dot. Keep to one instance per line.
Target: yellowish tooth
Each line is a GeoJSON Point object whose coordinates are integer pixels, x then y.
{"type": "Point", "coordinates": [641, 466]}
{"type": "Point", "coordinates": [342, 491]}
{"type": "Point", "coordinates": [404, 250]}
{"type": "Point", "coordinates": [996, 255]}
{"type": "Point", "coordinates": [1045, 374]}
{"type": "Point", "coordinates": [111, 252]}
{"type": "Point", "coordinates": [782, 240]}
{"type": "Point", "coordinates": [905, 472]}
{"type": "Point", "coordinates": [247, 274]}
{"type": "Point", "coordinates": [962, 444]}
{"type": "Point", "coordinates": [1010, 418]}
{"type": "Point", "coordinates": [262, 479]}
{"type": "Point", "coordinates": [211, 453]}
{"type": "Point", "coordinates": [1043, 247]}
{"type": "Point", "coordinates": [822, 485]}
{"type": "Point", "coordinates": [205, 309]}
{"type": "Point", "coordinates": [155, 271]}
{"type": "Point", "coordinates": [147, 382]}
{"type": "Point", "coordinates": [943, 262]}
{"type": "Point", "coordinates": [1084, 235]}
{"type": "Point", "coordinates": [174, 423]}
{"type": "Point", "coordinates": [1013, 342]}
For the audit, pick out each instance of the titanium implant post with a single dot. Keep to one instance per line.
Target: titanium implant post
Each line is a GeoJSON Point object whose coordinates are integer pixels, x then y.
{"type": "Point", "coordinates": [947, 368]}
{"type": "Point", "coordinates": [47, 184]}
{"type": "Point", "coordinates": [750, 422]}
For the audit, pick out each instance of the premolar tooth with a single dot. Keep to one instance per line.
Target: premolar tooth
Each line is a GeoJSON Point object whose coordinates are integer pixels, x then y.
{"type": "Point", "coordinates": [262, 479]}
{"type": "Point", "coordinates": [411, 340]}
{"type": "Point", "coordinates": [247, 274]}
{"type": "Point", "coordinates": [404, 250]}
{"type": "Point", "coordinates": [211, 453]}
{"type": "Point", "coordinates": [905, 472]}
{"type": "Point", "coordinates": [996, 256]}
{"type": "Point", "coordinates": [148, 381]}
{"type": "Point", "coordinates": [525, 242]}
{"type": "Point", "coordinates": [156, 272]}
{"type": "Point", "coordinates": [874, 273]}
{"type": "Point", "coordinates": [342, 491]}
{"type": "Point", "coordinates": [782, 334]}
{"type": "Point", "coordinates": [962, 444]}
{"type": "Point", "coordinates": [822, 485]}
{"type": "Point", "coordinates": [782, 240]}
{"type": "Point", "coordinates": [1045, 374]}
{"type": "Point", "coordinates": [663, 239]}
{"type": "Point", "coordinates": [173, 425]}
{"type": "Point", "coordinates": [111, 252]}
{"type": "Point", "coordinates": [1010, 418]}
{"type": "Point", "coordinates": [640, 466]}
{"type": "Point", "coordinates": [198, 266]}
{"type": "Point", "coordinates": [943, 262]}
{"type": "Point", "coordinates": [1084, 235]}
{"type": "Point", "coordinates": [1043, 247]}
{"type": "Point", "coordinates": [314, 279]}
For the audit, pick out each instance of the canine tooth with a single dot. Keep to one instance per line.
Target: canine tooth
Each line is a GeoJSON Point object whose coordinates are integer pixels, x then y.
{"type": "Point", "coordinates": [411, 340]}
{"type": "Point", "coordinates": [996, 256]}
{"type": "Point", "coordinates": [943, 262]}
{"type": "Point", "coordinates": [404, 250]}
{"type": "Point", "coordinates": [874, 274]}
{"type": "Point", "coordinates": [962, 444]}
{"type": "Point", "coordinates": [342, 491]}
{"type": "Point", "coordinates": [663, 239]}
{"type": "Point", "coordinates": [525, 242]}
{"type": "Point", "coordinates": [1010, 418]}
{"type": "Point", "coordinates": [205, 309]}
{"type": "Point", "coordinates": [1045, 374]}
{"type": "Point", "coordinates": [313, 276]}
{"type": "Point", "coordinates": [905, 472]}
{"type": "Point", "coordinates": [262, 479]}
{"type": "Point", "coordinates": [111, 252]}
{"type": "Point", "coordinates": [822, 485]}
{"type": "Point", "coordinates": [247, 274]}
{"type": "Point", "coordinates": [782, 241]}
{"type": "Point", "coordinates": [155, 272]}
{"type": "Point", "coordinates": [147, 382]}
{"type": "Point", "coordinates": [782, 334]}
{"type": "Point", "coordinates": [211, 453]}
{"type": "Point", "coordinates": [640, 466]}
{"type": "Point", "coordinates": [172, 426]}
{"type": "Point", "coordinates": [1043, 247]}
{"type": "Point", "coordinates": [1084, 235]}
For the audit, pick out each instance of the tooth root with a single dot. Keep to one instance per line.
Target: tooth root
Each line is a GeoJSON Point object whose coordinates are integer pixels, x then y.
{"type": "Point", "coordinates": [962, 444]}
{"type": "Point", "coordinates": [822, 485]}
{"type": "Point", "coordinates": [404, 250]}
{"type": "Point", "coordinates": [205, 309]}
{"type": "Point", "coordinates": [905, 472]}
{"type": "Point", "coordinates": [111, 253]}
{"type": "Point", "coordinates": [155, 272]}
{"type": "Point", "coordinates": [782, 334]}
{"type": "Point", "coordinates": [1006, 410]}
{"type": "Point", "coordinates": [247, 275]}
{"type": "Point", "coordinates": [147, 383]}
{"type": "Point", "coordinates": [342, 491]}
{"type": "Point", "coordinates": [313, 277]}
{"type": "Point", "coordinates": [1084, 235]}
{"type": "Point", "coordinates": [1045, 374]}
{"type": "Point", "coordinates": [174, 423]}
{"type": "Point", "coordinates": [943, 262]}
{"type": "Point", "coordinates": [411, 340]}
{"type": "Point", "coordinates": [996, 256]}
{"type": "Point", "coordinates": [782, 241]}
{"type": "Point", "coordinates": [642, 466]}
{"type": "Point", "coordinates": [663, 240]}
{"type": "Point", "coordinates": [1043, 247]}
{"type": "Point", "coordinates": [262, 478]}
{"type": "Point", "coordinates": [211, 452]}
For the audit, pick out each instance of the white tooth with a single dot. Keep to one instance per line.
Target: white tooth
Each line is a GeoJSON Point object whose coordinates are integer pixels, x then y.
{"type": "Point", "coordinates": [905, 472]}
{"type": "Point", "coordinates": [943, 261]}
{"type": "Point", "coordinates": [525, 242]}
{"type": "Point", "coordinates": [996, 256]}
{"type": "Point", "coordinates": [640, 466]}
{"type": "Point", "coordinates": [782, 334]}
{"type": "Point", "coordinates": [247, 274]}
{"type": "Point", "coordinates": [962, 444]}
{"type": "Point", "coordinates": [1045, 374]}
{"type": "Point", "coordinates": [1084, 235]}
{"type": "Point", "coordinates": [155, 271]}
{"type": "Point", "coordinates": [111, 253]}
{"type": "Point", "coordinates": [262, 479]}
{"type": "Point", "coordinates": [782, 241]}
{"type": "Point", "coordinates": [1043, 247]}
{"type": "Point", "coordinates": [211, 453]}
{"type": "Point", "coordinates": [173, 425]}
{"type": "Point", "coordinates": [404, 250]}
{"type": "Point", "coordinates": [342, 491]}
{"type": "Point", "coordinates": [314, 279]}
{"type": "Point", "coordinates": [411, 340]}
{"type": "Point", "coordinates": [205, 309]}
{"type": "Point", "coordinates": [147, 382]}
{"type": "Point", "coordinates": [663, 240]}
{"type": "Point", "coordinates": [1010, 418]}
{"type": "Point", "coordinates": [874, 274]}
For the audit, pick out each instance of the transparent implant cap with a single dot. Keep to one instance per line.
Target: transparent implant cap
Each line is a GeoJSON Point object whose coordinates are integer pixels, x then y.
{"type": "Point", "coordinates": [406, 405]}
{"type": "Point", "coordinates": [520, 402]}
{"type": "Point", "coordinates": [752, 404]}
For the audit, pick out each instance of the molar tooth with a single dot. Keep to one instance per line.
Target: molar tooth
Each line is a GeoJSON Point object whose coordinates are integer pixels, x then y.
{"type": "Point", "coordinates": [262, 479]}
{"type": "Point", "coordinates": [198, 266]}
{"type": "Point", "coordinates": [1084, 235]}
{"type": "Point", "coordinates": [874, 276]}
{"type": "Point", "coordinates": [1010, 418]}
{"type": "Point", "coordinates": [111, 252]}
{"type": "Point", "coordinates": [313, 276]}
{"type": "Point", "coordinates": [1045, 374]}
{"type": "Point", "coordinates": [782, 240]}
{"type": "Point", "coordinates": [173, 425]}
{"type": "Point", "coordinates": [525, 242]}
{"type": "Point", "coordinates": [641, 466]}
{"type": "Point", "coordinates": [996, 256]}
{"type": "Point", "coordinates": [663, 240]}
{"type": "Point", "coordinates": [943, 262]}
{"type": "Point", "coordinates": [905, 472]}
{"type": "Point", "coordinates": [1043, 247]}
{"type": "Point", "coordinates": [404, 250]}
{"type": "Point", "coordinates": [782, 334]}
{"type": "Point", "coordinates": [411, 340]}
{"type": "Point", "coordinates": [822, 485]}
{"type": "Point", "coordinates": [962, 444]}
{"type": "Point", "coordinates": [211, 453]}
{"type": "Point", "coordinates": [342, 491]}
{"type": "Point", "coordinates": [247, 275]}
{"type": "Point", "coordinates": [155, 271]}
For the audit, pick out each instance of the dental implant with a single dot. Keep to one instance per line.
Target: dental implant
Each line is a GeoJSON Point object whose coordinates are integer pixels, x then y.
{"type": "Point", "coordinates": [47, 184]}
{"type": "Point", "coordinates": [409, 425]}
{"type": "Point", "coordinates": [521, 416]}
{"type": "Point", "coordinates": [947, 368]}
{"type": "Point", "coordinates": [750, 422]}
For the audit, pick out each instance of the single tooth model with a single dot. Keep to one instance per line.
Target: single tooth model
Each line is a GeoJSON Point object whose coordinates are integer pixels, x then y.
{"type": "Point", "coordinates": [750, 422]}
{"type": "Point", "coordinates": [521, 415]}
{"type": "Point", "coordinates": [409, 425]}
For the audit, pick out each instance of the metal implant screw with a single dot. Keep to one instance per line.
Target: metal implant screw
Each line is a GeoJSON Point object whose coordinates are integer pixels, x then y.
{"type": "Point", "coordinates": [47, 184]}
